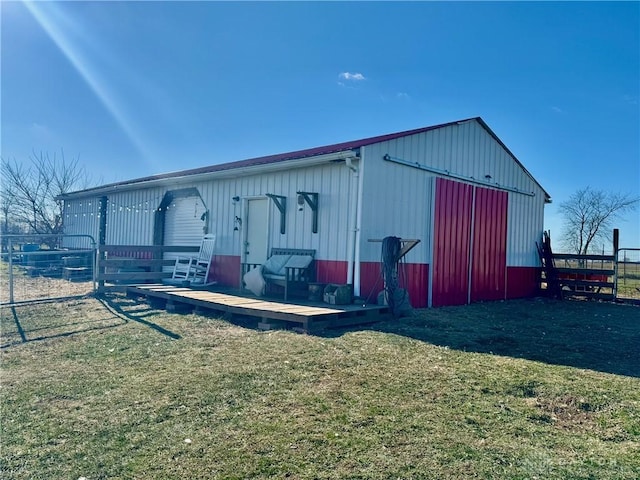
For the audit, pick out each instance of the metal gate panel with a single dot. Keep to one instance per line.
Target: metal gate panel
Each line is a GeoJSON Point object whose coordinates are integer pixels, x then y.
{"type": "Point", "coordinates": [452, 232]}
{"type": "Point", "coordinates": [39, 267]}
{"type": "Point", "coordinates": [489, 247]}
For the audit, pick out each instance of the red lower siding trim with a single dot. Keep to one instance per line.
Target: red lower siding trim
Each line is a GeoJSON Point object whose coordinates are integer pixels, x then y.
{"type": "Point", "coordinates": [416, 276]}
{"type": "Point", "coordinates": [331, 271]}
{"type": "Point", "coordinates": [522, 282]}
{"type": "Point", "coordinates": [226, 270]}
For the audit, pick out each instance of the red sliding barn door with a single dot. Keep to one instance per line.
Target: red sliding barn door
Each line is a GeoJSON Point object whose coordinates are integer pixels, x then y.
{"type": "Point", "coordinates": [451, 243]}
{"type": "Point", "coordinates": [470, 244]}
{"type": "Point", "coordinates": [489, 255]}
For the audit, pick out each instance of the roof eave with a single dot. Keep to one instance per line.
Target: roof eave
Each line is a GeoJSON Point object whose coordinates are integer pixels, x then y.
{"type": "Point", "coordinates": [179, 178]}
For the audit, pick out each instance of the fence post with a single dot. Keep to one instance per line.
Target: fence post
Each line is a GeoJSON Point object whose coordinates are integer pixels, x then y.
{"type": "Point", "coordinates": [10, 270]}
{"type": "Point", "coordinates": [102, 238]}
{"type": "Point", "coordinates": [616, 244]}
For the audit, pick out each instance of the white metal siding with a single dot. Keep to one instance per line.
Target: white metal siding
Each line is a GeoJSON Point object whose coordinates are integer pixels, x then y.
{"type": "Point", "coordinates": [81, 217]}
{"type": "Point", "coordinates": [398, 198]}
{"type": "Point", "coordinates": [525, 224]}
{"type": "Point", "coordinates": [397, 201]}
{"type": "Point", "coordinates": [332, 183]}
{"type": "Point", "coordinates": [183, 223]}
{"type": "Point", "coordinates": [130, 216]}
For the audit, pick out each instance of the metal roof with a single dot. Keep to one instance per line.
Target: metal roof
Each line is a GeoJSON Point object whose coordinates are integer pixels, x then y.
{"type": "Point", "coordinates": [301, 154]}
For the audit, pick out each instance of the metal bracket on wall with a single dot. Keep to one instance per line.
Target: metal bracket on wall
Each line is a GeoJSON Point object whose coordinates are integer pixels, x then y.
{"type": "Point", "coordinates": [281, 203]}
{"type": "Point", "coordinates": [312, 200]}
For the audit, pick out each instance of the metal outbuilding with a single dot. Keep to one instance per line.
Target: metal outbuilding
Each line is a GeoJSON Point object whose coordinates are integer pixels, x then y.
{"type": "Point", "coordinates": [476, 209]}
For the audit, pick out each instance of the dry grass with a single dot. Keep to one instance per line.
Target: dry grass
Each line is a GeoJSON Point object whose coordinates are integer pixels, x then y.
{"type": "Point", "coordinates": [503, 390]}
{"type": "Point", "coordinates": [27, 288]}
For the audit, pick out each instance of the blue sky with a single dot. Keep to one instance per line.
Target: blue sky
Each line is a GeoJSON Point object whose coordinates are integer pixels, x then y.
{"type": "Point", "coordinates": [137, 88]}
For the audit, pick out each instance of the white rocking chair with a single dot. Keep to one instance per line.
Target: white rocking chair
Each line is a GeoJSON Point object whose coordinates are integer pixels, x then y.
{"type": "Point", "coordinates": [196, 269]}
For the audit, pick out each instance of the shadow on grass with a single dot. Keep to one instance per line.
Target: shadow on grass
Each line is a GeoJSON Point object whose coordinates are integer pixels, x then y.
{"type": "Point", "coordinates": [54, 330]}
{"type": "Point", "coordinates": [58, 326]}
{"type": "Point", "coordinates": [115, 308]}
{"type": "Point", "coordinates": [582, 334]}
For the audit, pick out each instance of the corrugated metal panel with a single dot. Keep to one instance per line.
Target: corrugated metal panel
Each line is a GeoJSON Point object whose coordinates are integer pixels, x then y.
{"type": "Point", "coordinates": [451, 243]}
{"type": "Point", "coordinates": [330, 271]}
{"type": "Point", "coordinates": [397, 201]}
{"type": "Point", "coordinates": [319, 151]}
{"type": "Point", "coordinates": [184, 224]}
{"type": "Point", "coordinates": [489, 250]}
{"type": "Point", "coordinates": [466, 149]}
{"type": "Point", "coordinates": [522, 282]}
{"type": "Point", "coordinates": [526, 223]}
{"type": "Point", "coordinates": [131, 216]}
{"type": "Point", "coordinates": [370, 280]}
{"type": "Point", "coordinates": [81, 217]}
{"type": "Point", "coordinates": [416, 281]}
{"type": "Point", "coordinates": [226, 269]}
{"type": "Point", "coordinates": [332, 182]}
{"type": "Point", "coordinates": [416, 276]}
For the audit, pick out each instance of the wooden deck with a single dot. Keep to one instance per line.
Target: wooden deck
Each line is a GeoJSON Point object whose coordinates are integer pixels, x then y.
{"type": "Point", "coordinates": [303, 316]}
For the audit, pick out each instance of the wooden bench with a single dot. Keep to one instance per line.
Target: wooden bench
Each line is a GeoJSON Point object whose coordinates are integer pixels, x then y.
{"type": "Point", "coordinates": [290, 268]}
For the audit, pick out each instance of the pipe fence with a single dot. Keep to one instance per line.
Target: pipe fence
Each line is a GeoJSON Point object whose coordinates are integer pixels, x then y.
{"type": "Point", "coordinates": [628, 273]}
{"type": "Point", "coordinates": [46, 267]}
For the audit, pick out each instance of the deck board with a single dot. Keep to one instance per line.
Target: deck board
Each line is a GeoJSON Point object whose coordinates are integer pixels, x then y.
{"type": "Point", "coordinates": [310, 317]}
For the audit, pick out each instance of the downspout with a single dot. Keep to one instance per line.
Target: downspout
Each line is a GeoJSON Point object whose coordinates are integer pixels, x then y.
{"type": "Point", "coordinates": [353, 217]}
{"type": "Point", "coordinates": [356, 273]}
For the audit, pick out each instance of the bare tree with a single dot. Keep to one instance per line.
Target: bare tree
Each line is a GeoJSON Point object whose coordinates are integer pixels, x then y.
{"type": "Point", "coordinates": [7, 199]}
{"type": "Point", "coordinates": [29, 191]}
{"type": "Point", "coordinates": [588, 217]}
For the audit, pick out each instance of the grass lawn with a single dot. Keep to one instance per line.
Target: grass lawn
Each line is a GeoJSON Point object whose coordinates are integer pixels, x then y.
{"type": "Point", "coordinates": [517, 390]}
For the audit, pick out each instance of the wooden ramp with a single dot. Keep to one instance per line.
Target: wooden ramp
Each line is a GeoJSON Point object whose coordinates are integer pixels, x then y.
{"type": "Point", "coordinates": [271, 314]}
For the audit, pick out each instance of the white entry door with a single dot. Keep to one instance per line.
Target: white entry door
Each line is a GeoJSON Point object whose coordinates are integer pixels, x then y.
{"type": "Point", "coordinates": [257, 223]}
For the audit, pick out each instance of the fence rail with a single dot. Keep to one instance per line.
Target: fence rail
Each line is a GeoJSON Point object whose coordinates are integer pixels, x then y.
{"type": "Point", "coordinates": [591, 276]}
{"type": "Point", "coordinates": [41, 267]}
{"type": "Point", "coordinates": [47, 267]}
{"type": "Point", "coordinates": [607, 277]}
{"type": "Point", "coordinates": [119, 265]}
{"type": "Point", "coordinates": [628, 273]}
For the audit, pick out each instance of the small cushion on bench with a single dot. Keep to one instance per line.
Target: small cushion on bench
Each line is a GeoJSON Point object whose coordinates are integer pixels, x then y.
{"type": "Point", "coordinates": [299, 261]}
{"type": "Point", "coordinates": [275, 264]}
